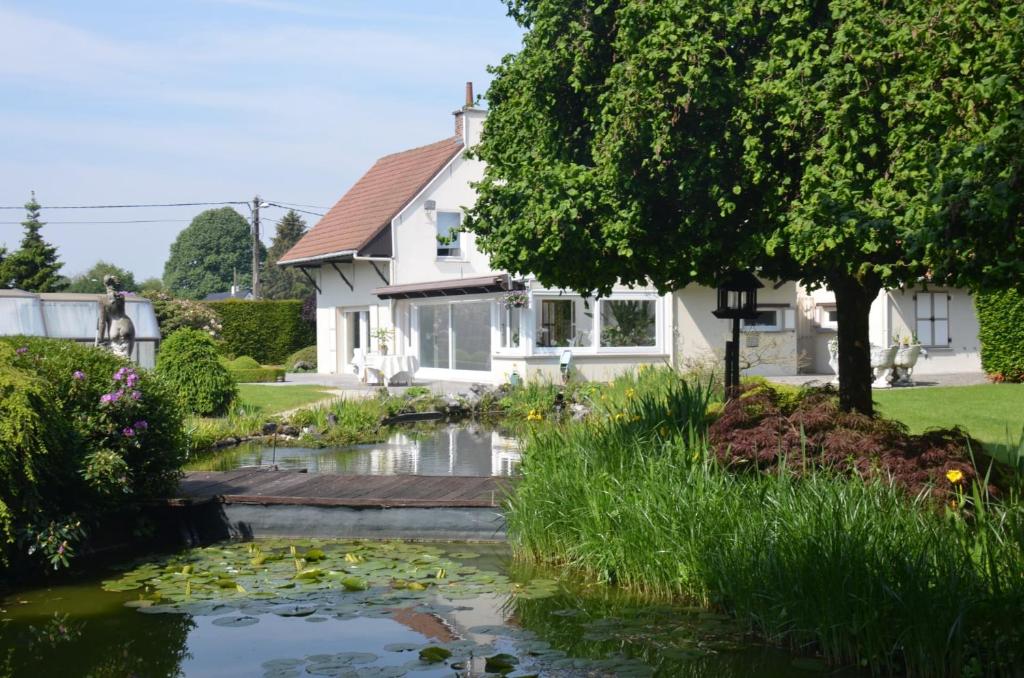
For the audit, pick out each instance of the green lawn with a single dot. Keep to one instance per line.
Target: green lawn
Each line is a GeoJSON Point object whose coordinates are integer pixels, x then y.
{"type": "Point", "coordinates": [992, 413]}
{"type": "Point", "coordinates": [273, 399]}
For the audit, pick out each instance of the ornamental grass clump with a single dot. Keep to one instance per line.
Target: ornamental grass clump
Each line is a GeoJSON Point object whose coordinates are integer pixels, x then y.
{"type": "Point", "coordinates": [827, 562]}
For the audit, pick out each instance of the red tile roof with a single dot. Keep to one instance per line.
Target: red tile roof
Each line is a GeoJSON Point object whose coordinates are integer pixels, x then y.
{"type": "Point", "coordinates": [370, 205]}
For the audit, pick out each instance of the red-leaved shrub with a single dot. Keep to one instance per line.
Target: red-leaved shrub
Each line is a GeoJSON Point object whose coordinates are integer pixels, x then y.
{"type": "Point", "coordinates": [761, 427]}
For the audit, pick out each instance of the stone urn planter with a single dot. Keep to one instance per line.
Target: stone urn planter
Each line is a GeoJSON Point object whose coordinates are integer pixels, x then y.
{"type": "Point", "coordinates": [903, 364]}
{"type": "Point", "coordinates": [883, 360]}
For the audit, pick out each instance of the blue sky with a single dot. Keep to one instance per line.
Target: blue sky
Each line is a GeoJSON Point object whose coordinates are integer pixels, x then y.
{"type": "Point", "coordinates": [207, 100]}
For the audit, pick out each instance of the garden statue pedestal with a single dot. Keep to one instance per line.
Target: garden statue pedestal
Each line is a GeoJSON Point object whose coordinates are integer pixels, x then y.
{"type": "Point", "coordinates": [115, 330]}
{"type": "Point", "coordinates": [882, 363]}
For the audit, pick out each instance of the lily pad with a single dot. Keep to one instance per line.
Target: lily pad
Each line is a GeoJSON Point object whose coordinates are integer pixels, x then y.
{"type": "Point", "coordinates": [235, 621]}
{"type": "Point", "coordinates": [501, 663]}
{"type": "Point", "coordinates": [434, 654]}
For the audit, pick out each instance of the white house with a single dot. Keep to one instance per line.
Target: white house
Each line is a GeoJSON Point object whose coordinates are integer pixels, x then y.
{"type": "Point", "coordinates": [383, 277]}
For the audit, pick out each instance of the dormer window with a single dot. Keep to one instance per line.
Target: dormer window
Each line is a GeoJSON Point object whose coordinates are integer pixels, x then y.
{"type": "Point", "coordinates": [449, 240]}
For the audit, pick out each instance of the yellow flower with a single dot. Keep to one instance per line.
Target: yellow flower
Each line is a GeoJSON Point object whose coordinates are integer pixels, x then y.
{"type": "Point", "coordinates": [954, 476]}
{"type": "Point", "coordinates": [630, 392]}
{"type": "Point", "coordinates": [619, 415]}
{"type": "Point", "coordinates": [534, 415]}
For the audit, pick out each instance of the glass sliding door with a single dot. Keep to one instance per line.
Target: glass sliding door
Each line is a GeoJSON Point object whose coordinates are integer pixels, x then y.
{"type": "Point", "coordinates": [435, 327]}
{"type": "Point", "coordinates": [455, 336]}
{"type": "Point", "coordinates": [471, 333]}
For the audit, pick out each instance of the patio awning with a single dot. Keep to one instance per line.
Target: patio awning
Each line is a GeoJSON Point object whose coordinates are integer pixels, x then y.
{"type": "Point", "coordinates": [450, 288]}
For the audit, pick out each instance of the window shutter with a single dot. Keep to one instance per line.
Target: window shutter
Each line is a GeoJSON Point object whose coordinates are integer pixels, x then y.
{"type": "Point", "coordinates": [923, 315]}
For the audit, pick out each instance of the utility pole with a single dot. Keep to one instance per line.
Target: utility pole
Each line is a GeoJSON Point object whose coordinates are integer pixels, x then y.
{"type": "Point", "coordinates": [256, 247]}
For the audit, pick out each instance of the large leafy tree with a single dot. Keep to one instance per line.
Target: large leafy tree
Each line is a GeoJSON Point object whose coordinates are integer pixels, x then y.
{"type": "Point", "coordinates": [92, 280]}
{"type": "Point", "coordinates": [285, 283]}
{"type": "Point", "coordinates": [35, 266]}
{"type": "Point", "coordinates": [846, 143]}
{"type": "Point", "coordinates": [209, 253]}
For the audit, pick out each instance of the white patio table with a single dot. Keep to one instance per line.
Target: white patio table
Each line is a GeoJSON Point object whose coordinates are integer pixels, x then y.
{"type": "Point", "coordinates": [386, 367]}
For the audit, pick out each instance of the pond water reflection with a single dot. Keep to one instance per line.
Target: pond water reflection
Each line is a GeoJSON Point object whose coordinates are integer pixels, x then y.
{"type": "Point", "coordinates": [463, 450]}
{"type": "Point", "coordinates": [362, 609]}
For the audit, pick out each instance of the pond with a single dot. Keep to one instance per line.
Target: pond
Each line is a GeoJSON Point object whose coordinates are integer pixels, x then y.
{"type": "Point", "coordinates": [457, 450]}
{"type": "Point", "coordinates": [283, 609]}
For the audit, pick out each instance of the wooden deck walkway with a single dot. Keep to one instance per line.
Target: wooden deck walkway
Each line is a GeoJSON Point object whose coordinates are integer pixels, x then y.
{"type": "Point", "coordinates": [248, 486]}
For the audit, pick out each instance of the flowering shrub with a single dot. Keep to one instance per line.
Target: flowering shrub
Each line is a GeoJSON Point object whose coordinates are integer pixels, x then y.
{"type": "Point", "coordinates": [175, 314]}
{"type": "Point", "coordinates": [83, 432]}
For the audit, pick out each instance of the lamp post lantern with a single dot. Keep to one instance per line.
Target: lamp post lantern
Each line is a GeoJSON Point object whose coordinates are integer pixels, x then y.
{"type": "Point", "coordinates": [737, 300]}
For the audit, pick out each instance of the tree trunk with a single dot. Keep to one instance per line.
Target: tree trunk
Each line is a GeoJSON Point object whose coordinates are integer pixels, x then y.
{"type": "Point", "coordinates": [853, 305]}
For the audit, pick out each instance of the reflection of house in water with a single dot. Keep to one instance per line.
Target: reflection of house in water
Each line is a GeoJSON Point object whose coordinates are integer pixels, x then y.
{"type": "Point", "coordinates": [467, 450]}
{"type": "Point", "coordinates": [505, 456]}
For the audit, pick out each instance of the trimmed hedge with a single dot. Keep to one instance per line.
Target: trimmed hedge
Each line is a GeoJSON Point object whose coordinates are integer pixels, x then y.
{"type": "Point", "coordinates": [269, 331]}
{"type": "Point", "coordinates": [1001, 331]}
{"type": "Point", "coordinates": [188, 362]}
{"type": "Point", "coordinates": [257, 374]}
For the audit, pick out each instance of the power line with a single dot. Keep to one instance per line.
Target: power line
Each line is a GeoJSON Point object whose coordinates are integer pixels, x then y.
{"type": "Point", "coordinates": [105, 207]}
{"type": "Point", "coordinates": [124, 221]}
{"type": "Point", "coordinates": [299, 204]}
{"type": "Point", "coordinates": [316, 214]}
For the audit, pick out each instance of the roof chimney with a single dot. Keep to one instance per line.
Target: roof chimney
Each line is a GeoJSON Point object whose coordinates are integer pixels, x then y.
{"type": "Point", "coordinates": [469, 95]}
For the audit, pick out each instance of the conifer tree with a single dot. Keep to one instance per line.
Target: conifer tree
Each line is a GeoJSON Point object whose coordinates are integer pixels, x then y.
{"type": "Point", "coordinates": [285, 283]}
{"type": "Point", "coordinates": [35, 267]}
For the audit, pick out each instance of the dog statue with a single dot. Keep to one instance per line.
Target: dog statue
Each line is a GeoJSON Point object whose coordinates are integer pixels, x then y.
{"type": "Point", "coordinates": [115, 330]}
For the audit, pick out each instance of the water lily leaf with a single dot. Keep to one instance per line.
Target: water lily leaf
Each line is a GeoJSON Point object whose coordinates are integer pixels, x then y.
{"type": "Point", "coordinates": [235, 621]}
{"type": "Point", "coordinates": [501, 663]}
{"type": "Point", "coordinates": [401, 647]}
{"type": "Point", "coordinates": [464, 555]}
{"type": "Point", "coordinates": [354, 584]}
{"type": "Point", "coordinates": [434, 654]}
{"type": "Point", "coordinates": [314, 555]}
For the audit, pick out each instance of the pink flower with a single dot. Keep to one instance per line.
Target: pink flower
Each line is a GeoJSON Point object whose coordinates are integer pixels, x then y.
{"type": "Point", "coordinates": [21, 351]}
{"type": "Point", "coordinates": [128, 432]}
{"type": "Point", "coordinates": [78, 375]}
{"type": "Point", "coordinates": [136, 395]}
{"type": "Point", "coordinates": [141, 425]}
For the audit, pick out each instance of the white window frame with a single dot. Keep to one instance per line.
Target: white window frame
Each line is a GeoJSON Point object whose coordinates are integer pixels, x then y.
{"type": "Point", "coordinates": [936, 315]}
{"type": "Point", "coordinates": [594, 346]}
{"type": "Point", "coordinates": [500, 310]}
{"type": "Point", "coordinates": [781, 313]}
{"type": "Point", "coordinates": [457, 245]}
{"type": "Point", "coordinates": [658, 323]}
{"type": "Point", "coordinates": [451, 371]}
{"type": "Point", "coordinates": [823, 321]}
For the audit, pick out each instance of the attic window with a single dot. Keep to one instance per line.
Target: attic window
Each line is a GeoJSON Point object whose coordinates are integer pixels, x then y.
{"type": "Point", "coordinates": [449, 240]}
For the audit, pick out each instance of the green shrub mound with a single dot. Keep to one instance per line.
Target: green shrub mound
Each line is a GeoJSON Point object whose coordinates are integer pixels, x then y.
{"type": "Point", "coordinates": [269, 331]}
{"type": "Point", "coordinates": [188, 362]}
{"type": "Point", "coordinates": [1001, 332]}
{"type": "Point", "coordinates": [82, 433]}
{"type": "Point", "coordinates": [304, 356]}
{"type": "Point", "coordinates": [243, 363]}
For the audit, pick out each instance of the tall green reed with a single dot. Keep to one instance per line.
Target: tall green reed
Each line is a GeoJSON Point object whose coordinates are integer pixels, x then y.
{"type": "Point", "coordinates": [859, 572]}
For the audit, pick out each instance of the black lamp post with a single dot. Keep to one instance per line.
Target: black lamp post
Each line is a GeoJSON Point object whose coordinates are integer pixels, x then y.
{"type": "Point", "coordinates": [737, 300]}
